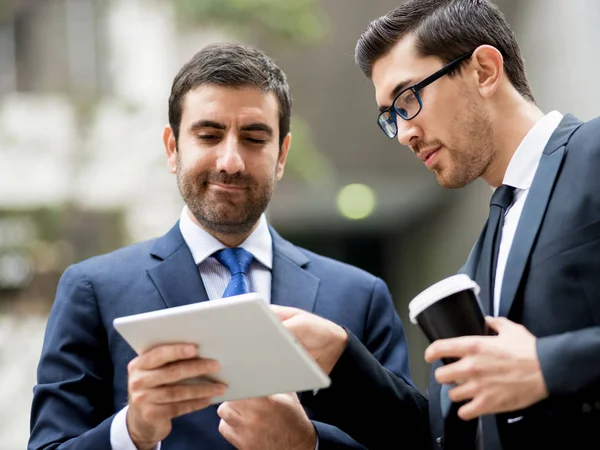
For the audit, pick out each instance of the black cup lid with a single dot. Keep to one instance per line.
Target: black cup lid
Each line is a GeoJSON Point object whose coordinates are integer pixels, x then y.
{"type": "Point", "coordinates": [438, 291]}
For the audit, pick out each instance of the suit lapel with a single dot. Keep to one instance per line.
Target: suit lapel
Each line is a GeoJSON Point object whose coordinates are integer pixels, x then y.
{"type": "Point", "coordinates": [527, 230]}
{"type": "Point", "coordinates": [470, 267]}
{"type": "Point", "coordinates": [534, 211]}
{"type": "Point", "coordinates": [179, 283]}
{"type": "Point", "coordinates": [291, 284]}
{"type": "Point", "coordinates": [176, 277]}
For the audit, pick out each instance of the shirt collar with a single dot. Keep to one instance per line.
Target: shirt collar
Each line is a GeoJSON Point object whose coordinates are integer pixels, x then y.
{"type": "Point", "coordinates": [525, 161]}
{"type": "Point", "coordinates": [202, 244]}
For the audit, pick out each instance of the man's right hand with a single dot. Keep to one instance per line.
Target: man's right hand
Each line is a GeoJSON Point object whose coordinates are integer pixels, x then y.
{"type": "Point", "coordinates": [323, 339]}
{"type": "Point", "coordinates": [157, 394]}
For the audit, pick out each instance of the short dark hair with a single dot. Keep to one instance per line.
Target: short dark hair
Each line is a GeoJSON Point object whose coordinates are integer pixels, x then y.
{"type": "Point", "coordinates": [235, 66]}
{"type": "Point", "coordinates": [446, 29]}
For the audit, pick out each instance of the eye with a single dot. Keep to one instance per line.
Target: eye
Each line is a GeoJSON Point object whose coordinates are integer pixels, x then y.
{"type": "Point", "coordinates": [409, 98]}
{"type": "Point", "coordinates": [208, 137]}
{"type": "Point", "coordinates": [256, 141]}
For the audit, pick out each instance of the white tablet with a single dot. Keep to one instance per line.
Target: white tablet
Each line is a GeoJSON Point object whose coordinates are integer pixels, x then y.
{"type": "Point", "coordinates": [258, 356]}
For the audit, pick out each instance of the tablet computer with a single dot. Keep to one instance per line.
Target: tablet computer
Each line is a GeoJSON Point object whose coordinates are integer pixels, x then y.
{"type": "Point", "coordinates": [258, 355]}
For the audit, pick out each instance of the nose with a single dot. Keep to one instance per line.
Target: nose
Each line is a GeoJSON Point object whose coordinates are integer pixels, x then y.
{"type": "Point", "coordinates": [230, 160]}
{"type": "Point", "coordinates": [408, 131]}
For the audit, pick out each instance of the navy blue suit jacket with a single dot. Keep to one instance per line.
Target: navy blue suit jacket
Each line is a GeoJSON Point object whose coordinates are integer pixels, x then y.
{"type": "Point", "coordinates": [552, 286]}
{"type": "Point", "coordinates": [82, 374]}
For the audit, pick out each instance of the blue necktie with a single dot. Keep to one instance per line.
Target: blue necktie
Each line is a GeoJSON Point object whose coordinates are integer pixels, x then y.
{"type": "Point", "coordinates": [237, 260]}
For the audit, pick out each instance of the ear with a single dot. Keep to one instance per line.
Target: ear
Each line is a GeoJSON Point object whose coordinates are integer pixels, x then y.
{"type": "Point", "coordinates": [489, 69]}
{"type": "Point", "coordinates": [283, 153]}
{"type": "Point", "coordinates": [171, 148]}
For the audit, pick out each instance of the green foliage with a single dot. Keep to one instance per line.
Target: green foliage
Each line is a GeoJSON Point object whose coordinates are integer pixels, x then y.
{"type": "Point", "coordinates": [304, 160]}
{"type": "Point", "coordinates": [301, 21]}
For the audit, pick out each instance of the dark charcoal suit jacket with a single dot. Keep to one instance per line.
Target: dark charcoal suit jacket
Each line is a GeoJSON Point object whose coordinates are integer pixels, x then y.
{"type": "Point", "coordinates": [551, 286]}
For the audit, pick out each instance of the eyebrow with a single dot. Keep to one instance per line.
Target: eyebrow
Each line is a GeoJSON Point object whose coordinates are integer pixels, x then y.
{"type": "Point", "coordinates": [207, 124]}
{"type": "Point", "coordinates": [258, 127]}
{"type": "Point", "coordinates": [219, 126]}
{"type": "Point", "coordinates": [399, 88]}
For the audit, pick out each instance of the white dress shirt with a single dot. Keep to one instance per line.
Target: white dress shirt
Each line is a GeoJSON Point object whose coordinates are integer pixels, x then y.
{"type": "Point", "coordinates": [215, 277]}
{"type": "Point", "coordinates": [519, 174]}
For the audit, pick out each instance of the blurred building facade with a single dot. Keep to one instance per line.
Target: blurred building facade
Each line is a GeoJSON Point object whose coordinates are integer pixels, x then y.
{"type": "Point", "coordinates": [83, 99]}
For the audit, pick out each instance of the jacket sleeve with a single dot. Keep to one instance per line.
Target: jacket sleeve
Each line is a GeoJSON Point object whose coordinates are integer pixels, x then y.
{"type": "Point", "coordinates": [371, 396]}
{"type": "Point", "coordinates": [332, 438]}
{"type": "Point", "coordinates": [570, 362]}
{"type": "Point", "coordinates": [72, 400]}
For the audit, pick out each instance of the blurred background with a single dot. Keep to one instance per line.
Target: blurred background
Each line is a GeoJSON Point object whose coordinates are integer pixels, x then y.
{"type": "Point", "coordinates": [83, 100]}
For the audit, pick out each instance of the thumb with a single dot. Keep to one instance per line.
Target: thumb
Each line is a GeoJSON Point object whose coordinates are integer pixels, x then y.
{"type": "Point", "coordinates": [499, 324]}
{"type": "Point", "coordinates": [285, 312]}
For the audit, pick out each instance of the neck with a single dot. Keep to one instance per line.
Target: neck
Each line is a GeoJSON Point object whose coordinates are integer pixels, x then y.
{"type": "Point", "coordinates": [227, 239]}
{"type": "Point", "coordinates": [512, 121]}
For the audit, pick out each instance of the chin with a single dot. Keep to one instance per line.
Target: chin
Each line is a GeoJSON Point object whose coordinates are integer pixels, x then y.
{"type": "Point", "coordinates": [449, 182]}
{"type": "Point", "coordinates": [227, 225]}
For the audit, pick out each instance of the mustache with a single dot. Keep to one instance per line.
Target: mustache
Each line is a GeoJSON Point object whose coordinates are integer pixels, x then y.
{"type": "Point", "coordinates": [224, 178]}
{"type": "Point", "coordinates": [418, 145]}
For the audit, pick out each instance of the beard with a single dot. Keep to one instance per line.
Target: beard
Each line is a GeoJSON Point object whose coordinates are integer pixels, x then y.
{"type": "Point", "coordinates": [475, 154]}
{"type": "Point", "coordinates": [223, 212]}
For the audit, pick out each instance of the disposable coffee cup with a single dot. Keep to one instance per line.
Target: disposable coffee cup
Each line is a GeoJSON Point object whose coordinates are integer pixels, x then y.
{"type": "Point", "coordinates": [449, 308]}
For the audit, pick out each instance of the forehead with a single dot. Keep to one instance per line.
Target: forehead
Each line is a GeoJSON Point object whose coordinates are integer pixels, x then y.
{"type": "Point", "coordinates": [228, 104]}
{"type": "Point", "coordinates": [401, 64]}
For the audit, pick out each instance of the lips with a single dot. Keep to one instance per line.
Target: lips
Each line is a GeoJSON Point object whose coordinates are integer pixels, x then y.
{"type": "Point", "coordinates": [424, 155]}
{"type": "Point", "coordinates": [429, 156]}
{"type": "Point", "coordinates": [227, 187]}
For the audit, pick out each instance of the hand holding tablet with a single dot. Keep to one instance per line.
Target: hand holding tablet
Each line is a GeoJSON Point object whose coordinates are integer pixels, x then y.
{"type": "Point", "coordinates": [257, 355]}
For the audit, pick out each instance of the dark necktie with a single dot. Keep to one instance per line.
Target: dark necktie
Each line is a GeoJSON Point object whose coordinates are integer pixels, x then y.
{"type": "Point", "coordinates": [458, 433]}
{"type": "Point", "coordinates": [237, 260]}
{"type": "Point", "coordinates": [485, 277]}
{"type": "Point", "coordinates": [486, 269]}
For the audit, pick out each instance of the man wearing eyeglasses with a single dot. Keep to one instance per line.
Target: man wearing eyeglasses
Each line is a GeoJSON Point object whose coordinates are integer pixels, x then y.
{"type": "Point", "coordinates": [451, 85]}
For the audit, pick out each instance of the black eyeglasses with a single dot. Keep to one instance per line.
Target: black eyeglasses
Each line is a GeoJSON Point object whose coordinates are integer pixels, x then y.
{"type": "Point", "coordinates": [408, 104]}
